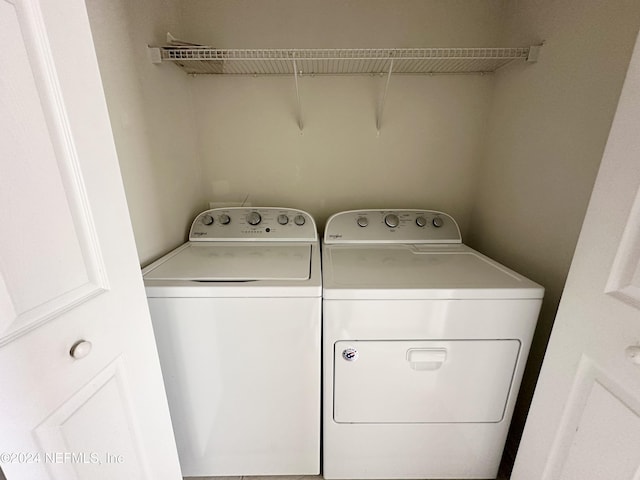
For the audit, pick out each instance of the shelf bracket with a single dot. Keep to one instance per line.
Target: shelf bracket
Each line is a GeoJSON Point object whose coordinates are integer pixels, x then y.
{"type": "Point", "coordinates": [383, 98]}
{"type": "Point", "coordinates": [299, 111]}
{"type": "Point", "coordinates": [534, 53]}
{"type": "Point", "coordinates": [155, 55]}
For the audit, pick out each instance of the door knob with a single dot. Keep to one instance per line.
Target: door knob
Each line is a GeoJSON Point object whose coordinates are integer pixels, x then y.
{"type": "Point", "coordinates": [633, 353]}
{"type": "Point", "coordinates": [80, 349]}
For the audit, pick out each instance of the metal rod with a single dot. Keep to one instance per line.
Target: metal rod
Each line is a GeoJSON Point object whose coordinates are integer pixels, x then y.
{"type": "Point", "coordinates": [295, 76]}
{"type": "Point", "coordinates": [384, 97]}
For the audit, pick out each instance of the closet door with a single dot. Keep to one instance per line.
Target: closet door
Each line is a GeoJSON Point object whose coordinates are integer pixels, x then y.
{"type": "Point", "coordinates": [584, 421]}
{"type": "Point", "coordinates": [81, 394]}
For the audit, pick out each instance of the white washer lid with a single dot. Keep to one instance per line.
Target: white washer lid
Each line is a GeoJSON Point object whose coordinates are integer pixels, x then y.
{"type": "Point", "coordinates": [418, 272]}
{"type": "Point", "coordinates": [220, 262]}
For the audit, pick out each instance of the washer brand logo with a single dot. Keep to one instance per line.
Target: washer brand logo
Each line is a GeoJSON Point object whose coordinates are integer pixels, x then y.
{"type": "Point", "coordinates": [350, 354]}
{"type": "Point", "coordinates": [335, 236]}
{"type": "Point", "coordinates": [199, 234]}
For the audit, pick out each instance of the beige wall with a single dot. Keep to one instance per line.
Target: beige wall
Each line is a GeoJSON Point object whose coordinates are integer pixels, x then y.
{"type": "Point", "coordinates": [343, 23]}
{"type": "Point", "coordinates": [425, 156]}
{"type": "Point", "coordinates": [151, 111]}
{"type": "Point", "coordinates": [432, 128]}
{"type": "Point", "coordinates": [547, 131]}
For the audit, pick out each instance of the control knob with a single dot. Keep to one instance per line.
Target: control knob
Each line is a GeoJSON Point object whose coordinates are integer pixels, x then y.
{"type": "Point", "coordinates": [392, 220]}
{"type": "Point", "coordinates": [283, 219]}
{"type": "Point", "coordinates": [207, 219]}
{"type": "Point", "coordinates": [299, 220]}
{"type": "Point", "coordinates": [224, 219]}
{"type": "Point", "coordinates": [254, 218]}
{"type": "Point", "coordinates": [437, 222]}
{"type": "Point", "coordinates": [421, 221]}
{"type": "Point", "coordinates": [362, 221]}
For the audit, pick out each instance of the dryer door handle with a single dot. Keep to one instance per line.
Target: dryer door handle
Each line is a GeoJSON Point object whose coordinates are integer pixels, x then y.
{"type": "Point", "coordinates": [426, 358]}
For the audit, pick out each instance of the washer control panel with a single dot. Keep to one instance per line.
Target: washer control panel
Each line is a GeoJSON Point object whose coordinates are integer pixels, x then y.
{"type": "Point", "coordinates": [262, 224]}
{"type": "Point", "coordinates": [392, 226]}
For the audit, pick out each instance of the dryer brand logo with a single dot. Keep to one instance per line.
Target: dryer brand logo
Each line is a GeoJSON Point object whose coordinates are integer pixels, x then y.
{"type": "Point", "coordinates": [199, 234]}
{"type": "Point", "coordinates": [335, 236]}
{"type": "Point", "coordinates": [350, 354]}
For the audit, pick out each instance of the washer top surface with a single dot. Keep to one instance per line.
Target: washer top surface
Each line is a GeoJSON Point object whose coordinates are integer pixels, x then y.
{"type": "Point", "coordinates": [231, 250]}
{"type": "Point", "coordinates": [414, 254]}
{"type": "Point", "coordinates": [229, 262]}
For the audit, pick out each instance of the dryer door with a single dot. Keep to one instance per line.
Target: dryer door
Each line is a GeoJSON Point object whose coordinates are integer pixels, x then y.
{"type": "Point", "coordinates": [413, 381]}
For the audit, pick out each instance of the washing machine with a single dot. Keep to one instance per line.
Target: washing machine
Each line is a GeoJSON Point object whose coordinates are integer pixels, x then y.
{"type": "Point", "coordinates": [236, 315]}
{"type": "Point", "coordinates": [424, 344]}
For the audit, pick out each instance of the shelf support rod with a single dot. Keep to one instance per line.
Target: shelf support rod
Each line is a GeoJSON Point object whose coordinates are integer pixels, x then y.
{"type": "Point", "coordinates": [383, 99]}
{"type": "Point", "coordinates": [299, 112]}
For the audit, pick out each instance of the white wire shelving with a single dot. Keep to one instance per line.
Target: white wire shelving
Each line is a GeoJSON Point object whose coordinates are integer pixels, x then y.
{"type": "Point", "coordinates": [203, 60]}
{"type": "Point", "coordinates": [199, 60]}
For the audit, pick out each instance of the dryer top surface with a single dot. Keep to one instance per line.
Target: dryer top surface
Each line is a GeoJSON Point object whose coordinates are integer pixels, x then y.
{"type": "Point", "coordinates": [404, 271]}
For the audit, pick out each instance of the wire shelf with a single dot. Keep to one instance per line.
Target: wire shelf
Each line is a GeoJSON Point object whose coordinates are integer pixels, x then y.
{"type": "Point", "coordinates": [199, 59]}
{"type": "Point", "coordinates": [204, 60]}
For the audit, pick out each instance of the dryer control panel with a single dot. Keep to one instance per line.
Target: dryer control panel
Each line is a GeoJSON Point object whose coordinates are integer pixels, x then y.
{"type": "Point", "coordinates": [259, 224]}
{"type": "Point", "coordinates": [391, 226]}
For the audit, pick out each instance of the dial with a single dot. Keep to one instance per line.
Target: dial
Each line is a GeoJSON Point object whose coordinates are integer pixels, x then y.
{"type": "Point", "coordinates": [392, 220]}
{"type": "Point", "coordinates": [283, 219]}
{"type": "Point", "coordinates": [207, 219]}
{"type": "Point", "coordinates": [299, 220]}
{"type": "Point", "coordinates": [437, 222]}
{"type": "Point", "coordinates": [224, 219]}
{"type": "Point", "coordinates": [421, 221]}
{"type": "Point", "coordinates": [362, 221]}
{"type": "Point", "coordinates": [254, 218]}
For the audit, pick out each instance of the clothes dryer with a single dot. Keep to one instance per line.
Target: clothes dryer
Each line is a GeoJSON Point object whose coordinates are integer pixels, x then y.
{"type": "Point", "coordinates": [424, 344]}
{"type": "Point", "coordinates": [236, 314]}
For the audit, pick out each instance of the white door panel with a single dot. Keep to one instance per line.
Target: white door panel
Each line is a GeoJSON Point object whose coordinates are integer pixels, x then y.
{"type": "Point", "coordinates": [68, 268]}
{"type": "Point", "coordinates": [599, 437]}
{"type": "Point", "coordinates": [65, 433]}
{"type": "Point", "coordinates": [44, 207]}
{"type": "Point", "coordinates": [624, 280]}
{"type": "Point", "coordinates": [584, 421]}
